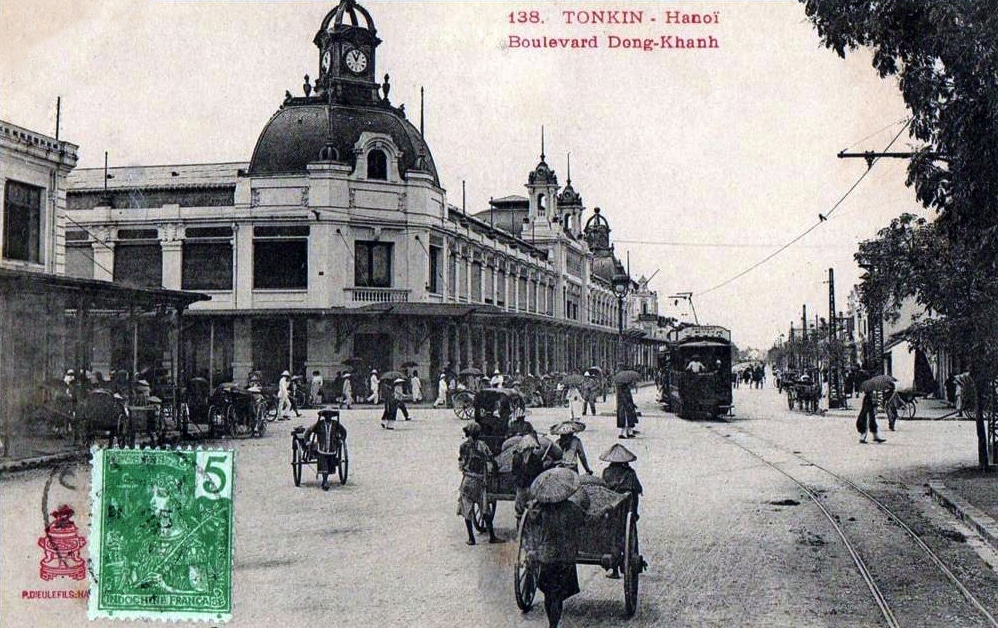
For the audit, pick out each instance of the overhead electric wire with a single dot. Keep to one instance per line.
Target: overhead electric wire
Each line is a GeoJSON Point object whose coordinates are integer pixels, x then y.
{"type": "Point", "coordinates": [823, 218]}
{"type": "Point", "coordinates": [95, 239]}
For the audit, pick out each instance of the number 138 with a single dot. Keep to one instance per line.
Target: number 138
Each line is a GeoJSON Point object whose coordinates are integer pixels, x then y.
{"type": "Point", "coordinates": [524, 17]}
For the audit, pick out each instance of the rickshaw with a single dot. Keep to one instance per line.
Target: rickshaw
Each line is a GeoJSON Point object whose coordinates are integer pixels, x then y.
{"type": "Point", "coordinates": [103, 414]}
{"type": "Point", "coordinates": [609, 539]}
{"type": "Point", "coordinates": [463, 401]}
{"type": "Point", "coordinates": [195, 409]}
{"type": "Point", "coordinates": [303, 453]}
{"type": "Point", "coordinates": [493, 409]}
{"type": "Point", "coordinates": [237, 409]}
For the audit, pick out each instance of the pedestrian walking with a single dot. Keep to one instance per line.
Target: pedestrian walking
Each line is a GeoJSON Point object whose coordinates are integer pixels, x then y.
{"type": "Point", "coordinates": [442, 388]}
{"type": "Point", "coordinates": [346, 399]}
{"type": "Point", "coordinates": [375, 383]}
{"type": "Point", "coordinates": [866, 422]}
{"type": "Point", "coordinates": [573, 451]}
{"type": "Point", "coordinates": [284, 396]}
{"type": "Point", "coordinates": [398, 392]}
{"type": "Point", "coordinates": [473, 458]}
{"type": "Point", "coordinates": [575, 401]}
{"type": "Point", "coordinates": [293, 389]}
{"type": "Point", "coordinates": [626, 412]}
{"type": "Point", "coordinates": [416, 386]}
{"type": "Point", "coordinates": [328, 434]}
{"type": "Point", "coordinates": [315, 388]}
{"type": "Point", "coordinates": [621, 477]}
{"type": "Point", "coordinates": [589, 389]}
{"type": "Point", "coordinates": [559, 509]}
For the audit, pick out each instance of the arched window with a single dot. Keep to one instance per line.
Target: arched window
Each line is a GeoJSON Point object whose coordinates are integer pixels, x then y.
{"type": "Point", "coordinates": [377, 165]}
{"type": "Point", "coordinates": [542, 203]}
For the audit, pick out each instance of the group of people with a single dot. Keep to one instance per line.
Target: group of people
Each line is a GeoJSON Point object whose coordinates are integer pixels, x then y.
{"type": "Point", "coordinates": [557, 520]}
{"type": "Point", "coordinates": [753, 376]}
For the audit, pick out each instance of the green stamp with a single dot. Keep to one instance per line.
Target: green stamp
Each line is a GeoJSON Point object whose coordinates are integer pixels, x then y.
{"type": "Point", "coordinates": [161, 534]}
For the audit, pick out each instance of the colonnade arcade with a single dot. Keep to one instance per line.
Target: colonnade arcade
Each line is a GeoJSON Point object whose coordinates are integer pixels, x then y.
{"type": "Point", "coordinates": [532, 347]}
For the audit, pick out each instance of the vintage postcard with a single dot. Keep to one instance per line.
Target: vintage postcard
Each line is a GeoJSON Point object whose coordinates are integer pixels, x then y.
{"type": "Point", "coordinates": [498, 313]}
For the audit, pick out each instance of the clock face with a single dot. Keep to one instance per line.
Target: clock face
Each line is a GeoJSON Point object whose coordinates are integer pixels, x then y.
{"type": "Point", "coordinates": [356, 61]}
{"type": "Point", "coordinates": [327, 58]}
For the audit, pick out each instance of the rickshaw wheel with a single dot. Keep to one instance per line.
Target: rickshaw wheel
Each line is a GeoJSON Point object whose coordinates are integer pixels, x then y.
{"type": "Point", "coordinates": [270, 409]}
{"type": "Point", "coordinates": [464, 405]}
{"type": "Point", "coordinates": [632, 566]}
{"type": "Point", "coordinates": [297, 461]}
{"type": "Point", "coordinates": [524, 576]}
{"type": "Point", "coordinates": [215, 420]}
{"type": "Point", "coordinates": [344, 466]}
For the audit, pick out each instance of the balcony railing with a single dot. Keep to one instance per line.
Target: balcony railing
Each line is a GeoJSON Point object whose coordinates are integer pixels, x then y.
{"type": "Point", "coordinates": [377, 295]}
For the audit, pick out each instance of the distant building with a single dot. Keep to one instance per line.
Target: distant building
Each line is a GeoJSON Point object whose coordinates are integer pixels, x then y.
{"type": "Point", "coordinates": [335, 244]}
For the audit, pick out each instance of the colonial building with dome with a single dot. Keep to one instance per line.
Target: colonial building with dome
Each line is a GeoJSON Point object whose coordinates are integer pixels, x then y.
{"type": "Point", "coordinates": [335, 245]}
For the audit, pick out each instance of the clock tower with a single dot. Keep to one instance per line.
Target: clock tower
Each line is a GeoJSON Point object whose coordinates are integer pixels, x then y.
{"type": "Point", "coordinates": [347, 42]}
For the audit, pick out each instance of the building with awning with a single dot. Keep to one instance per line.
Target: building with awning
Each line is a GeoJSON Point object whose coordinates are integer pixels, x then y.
{"type": "Point", "coordinates": [50, 323]}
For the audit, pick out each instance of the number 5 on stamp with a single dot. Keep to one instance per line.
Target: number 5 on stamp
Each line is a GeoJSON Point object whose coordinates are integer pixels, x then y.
{"type": "Point", "coordinates": [161, 534]}
{"type": "Point", "coordinates": [216, 482]}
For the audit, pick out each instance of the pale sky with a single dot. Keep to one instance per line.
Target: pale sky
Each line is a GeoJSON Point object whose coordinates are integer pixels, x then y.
{"type": "Point", "coordinates": [704, 161]}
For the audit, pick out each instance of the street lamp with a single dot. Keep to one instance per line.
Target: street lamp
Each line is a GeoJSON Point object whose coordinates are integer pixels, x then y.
{"type": "Point", "coordinates": [621, 284]}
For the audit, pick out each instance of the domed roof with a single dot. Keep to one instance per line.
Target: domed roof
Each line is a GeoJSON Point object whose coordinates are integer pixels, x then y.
{"type": "Point", "coordinates": [606, 266]}
{"type": "Point", "coordinates": [297, 133]}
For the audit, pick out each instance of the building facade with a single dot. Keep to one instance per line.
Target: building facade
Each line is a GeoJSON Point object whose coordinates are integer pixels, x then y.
{"type": "Point", "coordinates": [335, 245]}
{"type": "Point", "coordinates": [49, 322]}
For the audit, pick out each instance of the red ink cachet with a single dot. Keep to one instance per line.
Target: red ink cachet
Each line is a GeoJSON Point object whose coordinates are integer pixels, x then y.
{"type": "Point", "coordinates": [62, 544]}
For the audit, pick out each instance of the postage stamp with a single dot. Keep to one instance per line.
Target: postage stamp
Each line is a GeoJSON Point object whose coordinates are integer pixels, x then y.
{"type": "Point", "coordinates": [161, 534]}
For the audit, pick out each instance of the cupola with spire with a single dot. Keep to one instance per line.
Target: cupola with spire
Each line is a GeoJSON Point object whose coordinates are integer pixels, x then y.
{"type": "Point", "coordinates": [570, 205]}
{"type": "Point", "coordinates": [542, 189]}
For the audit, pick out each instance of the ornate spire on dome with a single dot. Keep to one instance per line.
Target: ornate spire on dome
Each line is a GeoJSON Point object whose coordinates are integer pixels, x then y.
{"type": "Point", "coordinates": [542, 174]}
{"type": "Point", "coordinates": [569, 197]}
{"type": "Point", "coordinates": [597, 234]}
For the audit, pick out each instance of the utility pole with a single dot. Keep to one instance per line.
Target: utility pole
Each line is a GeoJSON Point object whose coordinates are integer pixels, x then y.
{"type": "Point", "coordinates": [834, 363]}
{"type": "Point", "coordinates": [803, 337]}
{"type": "Point", "coordinates": [871, 156]}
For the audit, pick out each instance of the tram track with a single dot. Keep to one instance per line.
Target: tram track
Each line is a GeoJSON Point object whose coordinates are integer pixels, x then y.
{"type": "Point", "coordinates": [780, 459]}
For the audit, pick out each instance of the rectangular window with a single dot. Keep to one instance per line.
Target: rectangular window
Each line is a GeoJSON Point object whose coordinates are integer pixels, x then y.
{"type": "Point", "coordinates": [501, 288]}
{"type": "Point", "coordinates": [452, 276]}
{"type": "Point", "coordinates": [139, 264]}
{"type": "Point", "coordinates": [207, 259]}
{"type": "Point", "coordinates": [476, 282]}
{"type": "Point", "coordinates": [22, 222]}
{"type": "Point", "coordinates": [373, 264]}
{"type": "Point", "coordinates": [533, 296]}
{"type": "Point", "coordinates": [522, 304]}
{"type": "Point", "coordinates": [489, 285]}
{"type": "Point", "coordinates": [280, 258]}
{"type": "Point", "coordinates": [435, 270]}
{"type": "Point", "coordinates": [79, 260]}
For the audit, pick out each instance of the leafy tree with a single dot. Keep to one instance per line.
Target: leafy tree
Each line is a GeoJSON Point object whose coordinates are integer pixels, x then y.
{"type": "Point", "coordinates": [945, 56]}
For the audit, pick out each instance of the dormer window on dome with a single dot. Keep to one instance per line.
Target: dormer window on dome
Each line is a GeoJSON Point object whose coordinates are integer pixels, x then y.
{"type": "Point", "coordinates": [377, 165]}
